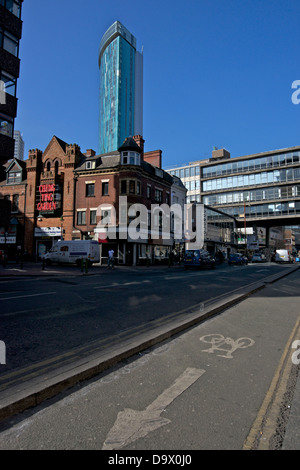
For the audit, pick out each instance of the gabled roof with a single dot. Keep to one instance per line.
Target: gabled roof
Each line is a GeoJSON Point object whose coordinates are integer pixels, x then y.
{"type": "Point", "coordinates": [60, 142]}
{"type": "Point", "coordinates": [20, 164]}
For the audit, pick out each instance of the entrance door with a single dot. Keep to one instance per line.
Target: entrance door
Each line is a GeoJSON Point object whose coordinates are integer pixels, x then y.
{"type": "Point", "coordinates": [42, 246]}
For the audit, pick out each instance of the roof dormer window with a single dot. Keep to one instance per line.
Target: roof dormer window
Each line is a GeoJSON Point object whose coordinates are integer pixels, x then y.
{"type": "Point", "coordinates": [14, 177]}
{"type": "Point", "coordinates": [89, 165]}
{"type": "Point", "coordinates": [130, 158]}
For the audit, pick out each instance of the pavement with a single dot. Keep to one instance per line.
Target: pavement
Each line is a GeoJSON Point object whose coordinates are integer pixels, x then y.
{"type": "Point", "coordinates": [22, 397]}
{"type": "Point", "coordinates": [37, 269]}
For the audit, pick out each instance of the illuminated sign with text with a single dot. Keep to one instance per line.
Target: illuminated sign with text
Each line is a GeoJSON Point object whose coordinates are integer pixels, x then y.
{"type": "Point", "coordinates": [48, 198]}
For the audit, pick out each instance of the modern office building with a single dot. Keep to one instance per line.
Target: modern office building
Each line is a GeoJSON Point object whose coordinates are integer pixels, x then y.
{"type": "Point", "coordinates": [190, 177]}
{"type": "Point", "coordinates": [19, 145]}
{"type": "Point", "coordinates": [264, 186]}
{"type": "Point", "coordinates": [262, 191]}
{"type": "Point", "coordinates": [121, 88]}
{"type": "Point", "coordinates": [10, 35]}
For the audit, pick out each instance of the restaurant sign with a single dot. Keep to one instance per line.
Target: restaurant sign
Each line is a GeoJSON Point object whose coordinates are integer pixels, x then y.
{"type": "Point", "coordinates": [47, 232]}
{"type": "Point", "coordinates": [48, 198]}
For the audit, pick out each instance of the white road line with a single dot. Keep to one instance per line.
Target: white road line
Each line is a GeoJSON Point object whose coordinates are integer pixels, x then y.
{"type": "Point", "coordinates": [131, 425]}
{"type": "Point", "coordinates": [116, 284]}
{"type": "Point", "coordinates": [29, 295]}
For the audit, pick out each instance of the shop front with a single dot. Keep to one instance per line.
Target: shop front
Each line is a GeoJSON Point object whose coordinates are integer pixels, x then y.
{"type": "Point", "coordinates": [45, 239]}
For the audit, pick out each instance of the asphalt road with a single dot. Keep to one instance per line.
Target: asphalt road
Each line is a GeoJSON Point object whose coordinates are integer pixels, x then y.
{"type": "Point", "coordinates": [211, 387]}
{"type": "Point", "coordinates": [49, 321]}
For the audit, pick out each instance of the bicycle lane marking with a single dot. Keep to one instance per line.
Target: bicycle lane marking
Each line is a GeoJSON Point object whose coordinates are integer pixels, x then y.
{"type": "Point", "coordinates": [131, 425]}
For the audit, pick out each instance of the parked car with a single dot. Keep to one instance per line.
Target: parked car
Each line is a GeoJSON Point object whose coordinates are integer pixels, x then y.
{"type": "Point", "coordinates": [258, 258]}
{"type": "Point", "coordinates": [283, 256]}
{"type": "Point", "coordinates": [198, 259]}
{"type": "Point", "coordinates": [237, 259]}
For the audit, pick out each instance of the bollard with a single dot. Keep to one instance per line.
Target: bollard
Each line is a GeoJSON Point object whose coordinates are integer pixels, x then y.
{"type": "Point", "coordinates": [86, 266]}
{"type": "Point", "coordinates": [82, 265]}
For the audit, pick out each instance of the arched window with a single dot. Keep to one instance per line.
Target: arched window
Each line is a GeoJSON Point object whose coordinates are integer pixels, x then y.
{"type": "Point", "coordinates": [48, 167]}
{"type": "Point", "coordinates": [56, 166]}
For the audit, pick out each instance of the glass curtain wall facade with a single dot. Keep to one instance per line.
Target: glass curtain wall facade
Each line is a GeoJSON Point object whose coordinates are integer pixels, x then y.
{"type": "Point", "coordinates": [190, 176]}
{"type": "Point", "coordinates": [121, 88]}
{"type": "Point", "coordinates": [263, 187]}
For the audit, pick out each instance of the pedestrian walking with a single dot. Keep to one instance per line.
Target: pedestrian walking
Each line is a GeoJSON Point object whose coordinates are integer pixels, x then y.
{"type": "Point", "coordinates": [111, 259]}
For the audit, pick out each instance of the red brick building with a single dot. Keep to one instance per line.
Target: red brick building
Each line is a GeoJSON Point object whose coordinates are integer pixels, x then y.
{"type": "Point", "coordinates": [107, 186]}
{"type": "Point", "coordinates": [62, 192]}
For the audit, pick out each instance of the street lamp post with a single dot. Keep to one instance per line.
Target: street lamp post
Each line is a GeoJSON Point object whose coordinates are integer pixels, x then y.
{"type": "Point", "coordinates": [245, 228]}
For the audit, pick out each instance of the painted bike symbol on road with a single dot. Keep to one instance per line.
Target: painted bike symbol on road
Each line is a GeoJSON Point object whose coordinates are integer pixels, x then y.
{"type": "Point", "coordinates": [228, 345]}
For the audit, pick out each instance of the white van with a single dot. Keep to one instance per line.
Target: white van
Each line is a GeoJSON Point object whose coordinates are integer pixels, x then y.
{"type": "Point", "coordinates": [73, 251]}
{"type": "Point", "coordinates": [283, 256]}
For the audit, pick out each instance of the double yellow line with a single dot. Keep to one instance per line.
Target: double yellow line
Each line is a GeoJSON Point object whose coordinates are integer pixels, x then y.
{"type": "Point", "coordinates": [265, 424]}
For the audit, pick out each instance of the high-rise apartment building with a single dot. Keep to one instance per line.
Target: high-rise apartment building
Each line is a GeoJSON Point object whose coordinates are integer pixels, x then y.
{"type": "Point", "coordinates": [121, 88]}
{"type": "Point", "coordinates": [10, 35]}
{"type": "Point", "coordinates": [19, 145]}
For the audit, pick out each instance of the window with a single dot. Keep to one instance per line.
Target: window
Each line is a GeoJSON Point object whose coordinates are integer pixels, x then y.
{"type": "Point", "coordinates": [9, 42]}
{"type": "Point", "coordinates": [9, 83]}
{"type": "Point", "coordinates": [123, 187]}
{"type": "Point", "coordinates": [148, 191]}
{"type": "Point", "coordinates": [64, 248]}
{"type": "Point", "coordinates": [131, 158]}
{"type": "Point", "coordinates": [93, 213]}
{"type": "Point", "coordinates": [89, 165]}
{"type": "Point", "coordinates": [14, 177]}
{"type": "Point", "coordinates": [131, 187]}
{"type": "Point", "coordinates": [13, 6]}
{"type": "Point", "coordinates": [81, 217]}
{"type": "Point", "coordinates": [15, 203]}
{"type": "Point", "coordinates": [104, 188]}
{"type": "Point", "coordinates": [105, 216]}
{"type": "Point", "coordinates": [158, 196]}
{"type": "Point", "coordinates": [6, 126]}
{"type": "Point", "coordinates": [90, 189]}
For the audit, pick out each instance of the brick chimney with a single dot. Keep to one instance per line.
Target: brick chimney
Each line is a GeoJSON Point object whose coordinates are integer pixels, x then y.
{"type": "Point", "coordinates": [90, 153]}
{"type": "Point", "coordinates": [154, 157]}
{"type": "Point", "coordinates": [140, 141]}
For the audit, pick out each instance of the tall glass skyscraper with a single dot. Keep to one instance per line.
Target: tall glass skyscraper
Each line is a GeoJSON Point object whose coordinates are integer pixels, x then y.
{"type": "Point", "coordinates": [121, 88]}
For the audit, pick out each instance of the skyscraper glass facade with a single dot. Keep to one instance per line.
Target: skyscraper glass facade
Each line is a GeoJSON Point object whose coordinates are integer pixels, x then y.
{"type": "Point", "coordinates": [121, 88]}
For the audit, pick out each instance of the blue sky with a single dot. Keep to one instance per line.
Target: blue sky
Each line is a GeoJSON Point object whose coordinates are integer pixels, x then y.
{"type": "Point", "coordinates": [216, 73]}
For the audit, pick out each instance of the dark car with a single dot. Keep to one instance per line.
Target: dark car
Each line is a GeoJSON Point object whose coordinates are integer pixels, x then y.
{"type": "Point", "coordinates": [198, 259]}
{"type": "Point", "coordinates": [237, 259]}
{"type": "Point", "coordinates": [258, 258]}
